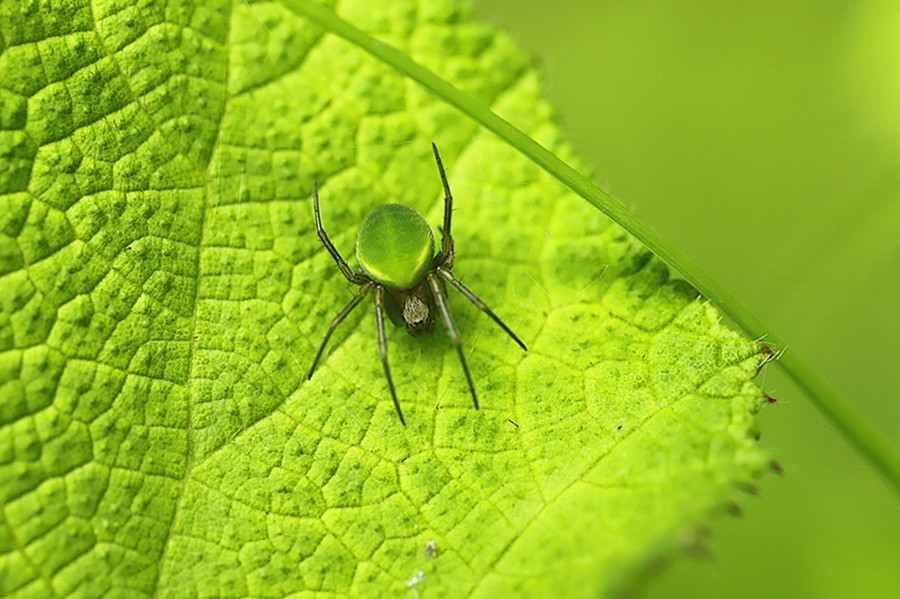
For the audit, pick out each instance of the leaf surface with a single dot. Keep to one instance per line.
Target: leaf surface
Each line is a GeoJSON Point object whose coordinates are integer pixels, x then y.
{"type": "Point", "coordinates": [164, 292]}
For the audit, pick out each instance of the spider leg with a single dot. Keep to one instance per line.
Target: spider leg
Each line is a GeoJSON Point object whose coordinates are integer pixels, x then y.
{"type": "Point", "coordinates": [445, 256]}
{"type": "Point", "coordinates": [382, 346]}
{"type": "Point", "coordinates": [338, 320]}
{"type": "Point", "coordinates": [345, 270]}
{"type": "Point", "coordinates": [477, 301]}
{"type": "Point", "coordinates": [441, 300]}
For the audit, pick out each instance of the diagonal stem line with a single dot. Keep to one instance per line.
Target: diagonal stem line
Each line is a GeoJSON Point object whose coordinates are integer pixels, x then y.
{"type": "Point", "coordinates": [858, 432]}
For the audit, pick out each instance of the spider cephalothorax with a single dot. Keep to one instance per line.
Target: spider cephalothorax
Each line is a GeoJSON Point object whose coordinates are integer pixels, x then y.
{"type": "Point", "coordinates": [395, 249]}
{"type": "Point", "coordinates": [412, 308]}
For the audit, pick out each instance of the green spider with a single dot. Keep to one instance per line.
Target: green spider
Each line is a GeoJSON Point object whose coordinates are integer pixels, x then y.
{"type": "Point", "coordinates": [395, 250]}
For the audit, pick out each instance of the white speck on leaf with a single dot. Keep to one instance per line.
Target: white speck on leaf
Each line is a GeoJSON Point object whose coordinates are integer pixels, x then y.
{"type": "Point", "coordinates": [414, 581]}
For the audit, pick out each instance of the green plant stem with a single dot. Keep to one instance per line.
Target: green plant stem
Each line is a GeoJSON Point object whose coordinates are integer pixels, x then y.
{"type": "Point", "coordinates": [860, 434]}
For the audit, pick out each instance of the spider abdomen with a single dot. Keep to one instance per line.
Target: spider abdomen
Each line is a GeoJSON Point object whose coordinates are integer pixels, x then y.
{"type": "Point", "coordinates": [395, 246]}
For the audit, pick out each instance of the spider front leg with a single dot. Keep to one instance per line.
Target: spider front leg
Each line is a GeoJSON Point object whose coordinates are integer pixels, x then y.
{"type": "Point", "coordinates": [338, 320]}
{"type": "Point", "coordinates": [441, 299]}
{"type": "Point", "coordinates": [382, 346]}
{"type": "Point", "coordinates": [477, 301]}
{"type": "Point", "coordinates": [445, 256]}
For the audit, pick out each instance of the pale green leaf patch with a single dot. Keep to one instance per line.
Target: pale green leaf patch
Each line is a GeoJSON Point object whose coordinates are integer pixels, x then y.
{"type": "Point", "coordinates": [163, 293]}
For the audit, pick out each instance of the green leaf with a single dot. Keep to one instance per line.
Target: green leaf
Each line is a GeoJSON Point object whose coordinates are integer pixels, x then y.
{"type": "Point", "coordinates": [163, 294]}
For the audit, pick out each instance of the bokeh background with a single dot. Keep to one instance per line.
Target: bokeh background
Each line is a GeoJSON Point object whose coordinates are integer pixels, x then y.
{"type": "Point", "coordinates": [763, 139]}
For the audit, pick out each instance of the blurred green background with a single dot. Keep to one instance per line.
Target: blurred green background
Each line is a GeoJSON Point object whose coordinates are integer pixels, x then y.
{"type": "Point", "coordinates": [763, 139]}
